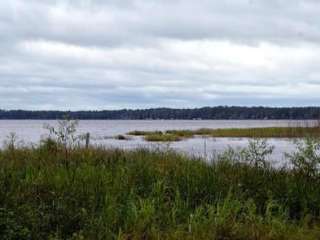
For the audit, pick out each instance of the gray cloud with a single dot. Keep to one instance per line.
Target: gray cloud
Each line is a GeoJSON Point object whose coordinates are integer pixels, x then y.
{"type": "Point", "coordinates": [112, 54]}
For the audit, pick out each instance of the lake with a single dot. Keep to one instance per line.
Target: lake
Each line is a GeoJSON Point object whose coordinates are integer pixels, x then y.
{"type": "Point", "coordinates": [102, 131]}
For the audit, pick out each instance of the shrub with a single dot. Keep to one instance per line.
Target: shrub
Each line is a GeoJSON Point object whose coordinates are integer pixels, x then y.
{"type": "Point", "coordinates": [65, 133]}
{"type": "Point", "coordinates": [257, 152]}
{"type": "Point", "coordinates": [306, 158]}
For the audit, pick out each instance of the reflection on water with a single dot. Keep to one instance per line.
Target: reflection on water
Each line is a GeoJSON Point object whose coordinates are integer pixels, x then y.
{"type": "Point", "coordinates": [101, 131]}
{"type": "Point", "coordinates": [204, 147]}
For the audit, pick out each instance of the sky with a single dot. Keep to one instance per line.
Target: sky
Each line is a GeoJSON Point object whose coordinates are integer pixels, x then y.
{"type": "Point", "coordinates": [114, 54]}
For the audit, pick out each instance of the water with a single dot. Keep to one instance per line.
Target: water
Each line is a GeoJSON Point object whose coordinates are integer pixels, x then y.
{"type": "Point", "coordinates": [102, 131]}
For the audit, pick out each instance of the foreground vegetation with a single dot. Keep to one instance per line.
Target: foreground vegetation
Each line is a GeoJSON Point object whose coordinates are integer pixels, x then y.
{"type": "Point", "coordinates": [269, 132]}
{"type": "Point", "coordinates": [56, 191]}
{"type": "Point", "coordinates": [60, 190]}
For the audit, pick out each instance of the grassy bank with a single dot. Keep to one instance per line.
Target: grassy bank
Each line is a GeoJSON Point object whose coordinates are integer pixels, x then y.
{"type": "Point", "coordinates": [52, 192]}
{"type": "Point", "coordinates": [270, 132]}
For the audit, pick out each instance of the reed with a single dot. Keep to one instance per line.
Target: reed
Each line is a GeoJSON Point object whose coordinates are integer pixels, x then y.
{"type": "Point", "coordinates": [270, 132]}
{"type": "Point", "coordinates": [143, 133]}
{"type": "Point", "coordinates": [163, 137]}
{"type": "Point", "coordinates": [100, 193]}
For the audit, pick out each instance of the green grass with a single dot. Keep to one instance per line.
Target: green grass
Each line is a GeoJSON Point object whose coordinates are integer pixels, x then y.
{"type": "Point", "coordinates": [163, 137]}
{"type": "Point", "coordinates": [157, 136]}
{"type": "Point", "coordinates": [143, 133]}
{"type": "Point", "coordinates": [270, 132]}
{"type": "Point", "coordinates": [48, 192]}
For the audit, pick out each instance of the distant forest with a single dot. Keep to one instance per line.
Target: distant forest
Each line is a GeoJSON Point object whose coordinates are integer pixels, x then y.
{"type": "Point", "coordinates": [221, 112]}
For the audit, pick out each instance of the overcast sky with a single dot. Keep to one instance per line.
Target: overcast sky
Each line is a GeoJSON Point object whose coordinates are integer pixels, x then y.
{"type": "Point", "coordinates": [112, 54]}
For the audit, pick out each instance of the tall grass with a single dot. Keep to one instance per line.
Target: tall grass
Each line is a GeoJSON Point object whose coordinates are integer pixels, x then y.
{"type": "Point", "coordinates": [269, 132]}
{"type": "Point", "coordinates": [143, 133]}
{"type": "Point", "coordinates": [166, 137]}
{"type": "Point", "coordinates": [98, 193]}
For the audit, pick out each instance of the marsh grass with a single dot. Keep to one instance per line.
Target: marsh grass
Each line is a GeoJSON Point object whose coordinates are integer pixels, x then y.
{"type": "Point", "coordinates": [270, 132]}
{"type": "Point", "coordinates": [157, 136]}
{"type": "Point", "coordinates": [143, 133]}
{"type": "Point", "coordinates": [99, 193]}
{"type": "Point", "coordinates": [163, 137]}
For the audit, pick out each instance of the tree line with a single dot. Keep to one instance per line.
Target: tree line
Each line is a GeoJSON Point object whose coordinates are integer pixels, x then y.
{"type": "Point", "coordinates": [219, 112]}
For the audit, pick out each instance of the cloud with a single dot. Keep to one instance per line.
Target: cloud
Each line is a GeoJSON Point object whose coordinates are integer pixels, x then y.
{"type": "Point", "coordinates": [117, 54]}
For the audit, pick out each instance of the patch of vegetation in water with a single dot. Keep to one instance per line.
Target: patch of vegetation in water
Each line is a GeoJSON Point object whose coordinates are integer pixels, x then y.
{"type": "Point", "coordinates": [143, 133]}
{"type": "Point", "coordinates": [269, 132]}
{"type": "Point", "coordinates": [163, 137]}
{"type": "Point", "coordinates": [157, 136]}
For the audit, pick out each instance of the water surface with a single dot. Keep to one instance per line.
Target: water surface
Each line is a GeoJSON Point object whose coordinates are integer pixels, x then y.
{"type": "Point", "coordinates": [102, 131]}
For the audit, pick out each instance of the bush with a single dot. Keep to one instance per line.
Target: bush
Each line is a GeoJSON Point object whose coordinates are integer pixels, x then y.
{"type": "Point", "coordinates": [257, 152]}
{"type": "Point", "coordinates": [306, 159]}
{"type": "Point", "coordinates": [65, 133]}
